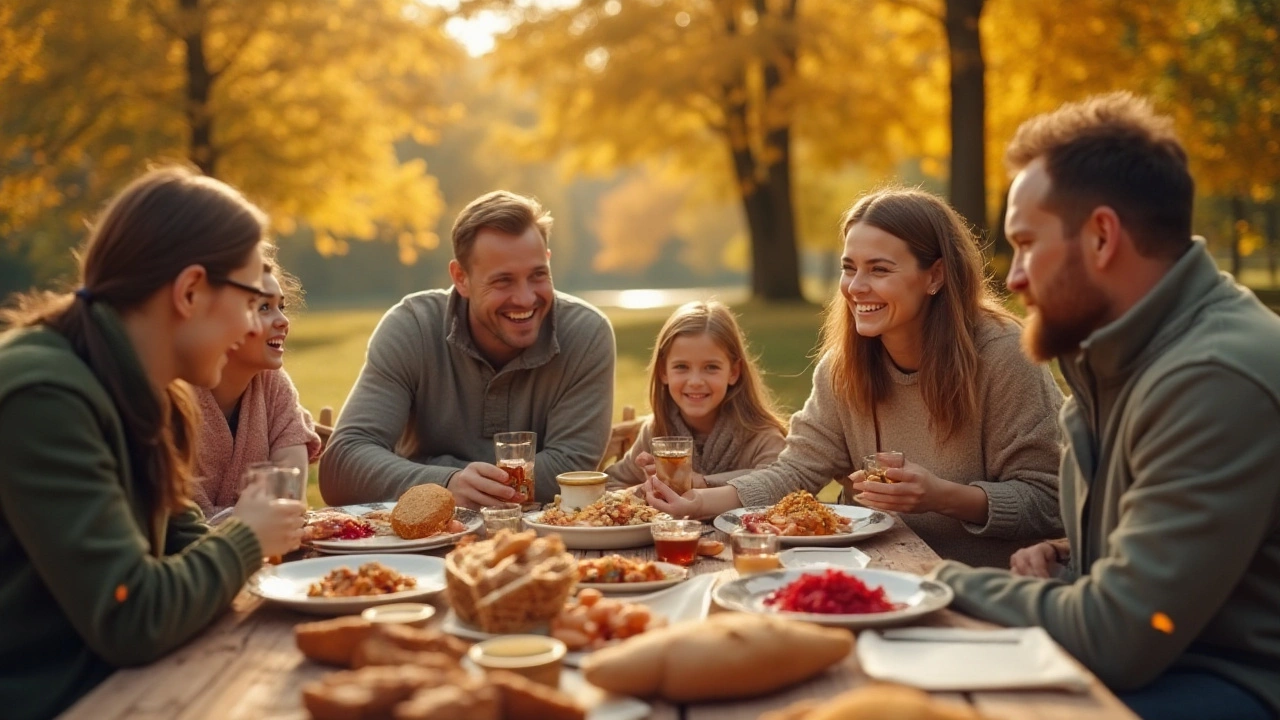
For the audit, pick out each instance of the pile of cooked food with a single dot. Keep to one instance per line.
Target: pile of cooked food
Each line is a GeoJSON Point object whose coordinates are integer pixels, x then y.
{"type": "Point", "coordinates": [617, 508]}
{"type": "Point", "coordinates": [510, 582]}
{"type": "Point", "coordinates": [592, 621]}
{"type": "Point", "coordinates": [618, 569]}
{"type": "Point", "coordinates": [412, 674]}
{"type": "Point", "coordinates": [797, 514]}
{"type": "Point", "coordinates": [371, 579]}
{"type": "Point", "coordinates": [830, 593]}
{"type": "Point", "coordinates": [421, 512]}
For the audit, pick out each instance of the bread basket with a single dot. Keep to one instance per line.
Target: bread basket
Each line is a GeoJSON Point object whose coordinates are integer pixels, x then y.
{"type": "Point", "coordinates": [510, 583]}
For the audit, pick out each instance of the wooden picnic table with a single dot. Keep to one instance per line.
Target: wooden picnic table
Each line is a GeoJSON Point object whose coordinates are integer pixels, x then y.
{"type": "Point", "coordinates": [246, 666]}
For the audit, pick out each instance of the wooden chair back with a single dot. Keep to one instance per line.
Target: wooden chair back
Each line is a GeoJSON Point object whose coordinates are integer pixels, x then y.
{"type": "Point", "coordinates": [324, 426]}
{"type": "Point", "coordinates": [621, 437]}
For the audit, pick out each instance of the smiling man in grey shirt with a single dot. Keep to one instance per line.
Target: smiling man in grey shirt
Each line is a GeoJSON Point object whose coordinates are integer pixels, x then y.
{"type": "Point", "coordinates": [447, 369]}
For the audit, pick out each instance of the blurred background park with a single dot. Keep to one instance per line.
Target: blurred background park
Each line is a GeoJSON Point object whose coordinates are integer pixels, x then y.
{"type": "Point", "coordinates": [687, 148]}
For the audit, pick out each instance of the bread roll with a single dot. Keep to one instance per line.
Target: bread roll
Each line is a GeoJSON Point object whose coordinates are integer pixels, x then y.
{"type": "Point", "coordinates": [727, 656]}
{"type": "Point", "coordinates": [332, 642]}
{"type": "Point", "coordinates": [423, 510]}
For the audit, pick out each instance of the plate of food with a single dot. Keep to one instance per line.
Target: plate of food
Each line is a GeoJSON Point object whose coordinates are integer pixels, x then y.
{"type": "Point", "coordinates": [842, 597]}
{"type": "Point", "coordinates": [800, 519]}
{"type": "Point", "coordinates": [617, 574]}
{"type": "Point", "coordinates": [349, 584]}
{"type": "Point", "coordinates": [590, 621]}
{"type": "Point", "coordinates": [619, 519]}
{"type": "Point", "coordinates": [425, 517]}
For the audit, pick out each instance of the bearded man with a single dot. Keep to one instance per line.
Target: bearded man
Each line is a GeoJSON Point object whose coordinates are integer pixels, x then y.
{"type": "Point", "coordinates": [1167, 585]}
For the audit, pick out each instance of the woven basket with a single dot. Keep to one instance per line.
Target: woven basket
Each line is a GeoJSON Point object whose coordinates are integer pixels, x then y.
{"type": "Point", "coordinates": [531, 598]}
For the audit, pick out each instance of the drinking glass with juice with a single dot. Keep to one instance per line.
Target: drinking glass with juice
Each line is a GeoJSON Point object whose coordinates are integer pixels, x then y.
{"type": "Point", "coordinates": [676, 541]}
{"type": "Point", "coordinates": [754, 552]}
{"type": "Point", "coordinates": [514, 452]}
{"type": "Point", "coordinates": [674, 457]}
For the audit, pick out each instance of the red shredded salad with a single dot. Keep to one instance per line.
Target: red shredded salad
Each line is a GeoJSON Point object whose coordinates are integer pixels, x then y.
{"type": "Point", "coordinates": [354, 531]}
{"type": "Point", "coordinates": [832, 593]}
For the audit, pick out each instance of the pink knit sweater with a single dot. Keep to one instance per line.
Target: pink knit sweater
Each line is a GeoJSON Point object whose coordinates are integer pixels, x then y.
{"type": "Point", "coordinates": [270, 418]}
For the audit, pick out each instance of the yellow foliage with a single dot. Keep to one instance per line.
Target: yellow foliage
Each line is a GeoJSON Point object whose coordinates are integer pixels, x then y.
{"type": "Point", "coordinates": [307, 99]}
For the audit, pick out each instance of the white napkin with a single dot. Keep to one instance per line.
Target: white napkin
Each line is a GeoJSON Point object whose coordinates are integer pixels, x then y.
{"type": "Point", "coordinates": [961, 659]}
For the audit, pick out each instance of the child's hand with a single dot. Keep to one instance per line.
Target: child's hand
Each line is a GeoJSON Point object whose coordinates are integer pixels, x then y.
{"type": "Point", "coordinates": [648, 463]}
{"type": "Point", "coordinates": [660, 495]}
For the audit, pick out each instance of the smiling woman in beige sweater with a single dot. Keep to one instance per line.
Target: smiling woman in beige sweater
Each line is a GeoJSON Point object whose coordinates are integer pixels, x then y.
{"type": "Point", "coordinates": [918, 356]}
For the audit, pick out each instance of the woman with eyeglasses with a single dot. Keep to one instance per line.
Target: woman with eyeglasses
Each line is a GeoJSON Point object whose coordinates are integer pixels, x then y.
{"type": "Point", "coordinates": [107, 563]}
{"type": "Point", "coordinates": [253, 415]}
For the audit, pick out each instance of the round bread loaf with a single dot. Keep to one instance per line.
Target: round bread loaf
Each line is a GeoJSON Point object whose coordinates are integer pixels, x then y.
{"type": "Point", "coordinates": [423, 510]}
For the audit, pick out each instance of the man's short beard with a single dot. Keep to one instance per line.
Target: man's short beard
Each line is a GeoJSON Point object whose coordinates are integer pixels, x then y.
{"type": "Point", "coordinates": [1065, 313]}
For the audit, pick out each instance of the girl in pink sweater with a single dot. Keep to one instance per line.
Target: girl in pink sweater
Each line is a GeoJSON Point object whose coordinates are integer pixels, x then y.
{"type": "Point", "coordinates": [253, 414]}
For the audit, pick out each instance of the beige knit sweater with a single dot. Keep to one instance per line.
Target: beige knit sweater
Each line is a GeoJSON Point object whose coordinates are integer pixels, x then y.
{"type": "Point", "coordinates": [1011, 451]}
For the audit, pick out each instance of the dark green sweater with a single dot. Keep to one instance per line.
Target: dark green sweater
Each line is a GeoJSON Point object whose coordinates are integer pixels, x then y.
{"type": "Point", "coordinates": [1170, 494]}
{"type": "Point", "coordinates": [83, 589]}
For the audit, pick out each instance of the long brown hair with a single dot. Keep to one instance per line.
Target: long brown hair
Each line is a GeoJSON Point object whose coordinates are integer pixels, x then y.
{"type": "Point", "coordinates": [163, 222]}
{"type": "Point", "coordinates": [747, 403]}
{"type": "Point", "coordinates": [949, 358]}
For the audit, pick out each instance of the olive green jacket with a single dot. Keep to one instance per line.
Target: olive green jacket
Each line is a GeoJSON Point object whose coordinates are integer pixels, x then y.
{"type": "Point", "coordinates": [94, 578]}
{"type": "Point", "coordinates": [1170, 493]}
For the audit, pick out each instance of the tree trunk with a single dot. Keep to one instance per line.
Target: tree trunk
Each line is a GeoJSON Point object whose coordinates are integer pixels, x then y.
{"type": "Point", "coordinates": [968, 182]}
{"type": "Point", "coordinates": [1273, 239]}
{"type": "Point", "coordinates": [199, 84]}
{"type": "Point", "coordinates": [1238, 218]}
{"type": "Point", "coordinates": [775, 273]}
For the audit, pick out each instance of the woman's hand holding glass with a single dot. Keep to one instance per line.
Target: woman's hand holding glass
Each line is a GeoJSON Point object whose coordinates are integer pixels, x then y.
{"type": "Point", "coordinates": [912, 489]}
{"type": "Point", "coordinates": [276, 523]}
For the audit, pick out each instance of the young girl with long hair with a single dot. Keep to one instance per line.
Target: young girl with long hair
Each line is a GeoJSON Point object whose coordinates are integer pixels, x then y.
{"type": "Point", "coordinates": [106, 562]}
{"type": "Point", "coordinates": [253, 415]}
{"type": "Point", "coordinates": [918, 356]}
{"type": "Point", "coordinates": [704, 384]}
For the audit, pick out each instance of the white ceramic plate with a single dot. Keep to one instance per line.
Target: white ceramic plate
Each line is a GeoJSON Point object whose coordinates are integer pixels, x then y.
{"type": "Point", "coordinates": [287, 584]}
{"type": "Point", "coordinates": [917, 595]}
{"type": "Point", "coordinates": [806, 557]}
{"type": "Point", "coordinates": [690, 600]}
{"type": "Point", "coordinates": [674, 574]}
{"type": "Point", "coordinates": [594, 538]}
{"type": "Point", "coordinates": [391, 543]}
{"type": "Point", "coordinates": [866, 522]}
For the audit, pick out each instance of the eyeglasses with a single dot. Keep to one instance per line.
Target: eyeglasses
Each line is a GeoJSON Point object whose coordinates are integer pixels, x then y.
{"type": "Point", "coordinates": [255, 291]}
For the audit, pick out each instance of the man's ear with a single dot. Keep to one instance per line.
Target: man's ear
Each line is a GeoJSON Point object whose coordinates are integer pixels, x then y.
{"type": "Point", "coordinates": [1101, 237]}
{"type": "Point", "coordinates": [460, 279]}
{"type": "Point", "coordinates": [186, 289]}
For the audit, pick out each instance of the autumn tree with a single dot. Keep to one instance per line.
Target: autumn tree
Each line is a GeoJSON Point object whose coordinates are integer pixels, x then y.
{"type": "Point", "coordinates": [297, 102]}
{"type": "Point", "coordinates": [1221, 82]}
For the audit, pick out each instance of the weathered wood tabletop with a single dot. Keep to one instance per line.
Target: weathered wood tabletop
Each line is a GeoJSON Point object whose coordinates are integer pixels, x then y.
{"type": "Point", "coordinates": [246, 667]}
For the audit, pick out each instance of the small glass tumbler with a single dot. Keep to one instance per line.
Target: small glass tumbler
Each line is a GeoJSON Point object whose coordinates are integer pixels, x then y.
{"type": "Point", "coordinates": [676, 541]}
{"type": "Point", "coordinates": [281, 483]}
{"type": "Point", "coordinates": [674, 457]}
{"type": "Point", "coordinates": [875, 465]}
{"type": "Point", "coordinates": [503, 516]}
{"type": "Point", "coordinates": [514, 452]}
{"type": "Point", "coordinates": [754, 552]}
